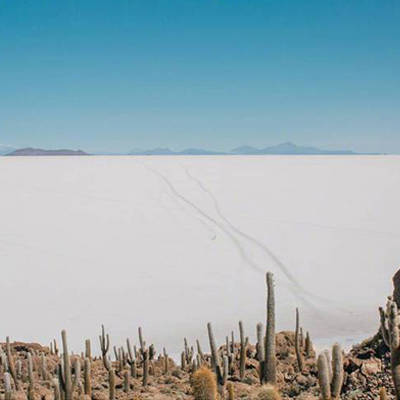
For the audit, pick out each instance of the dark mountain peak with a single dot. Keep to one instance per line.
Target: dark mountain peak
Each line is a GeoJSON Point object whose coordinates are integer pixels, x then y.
{"type": "Point", "coordinates": [30, 151]}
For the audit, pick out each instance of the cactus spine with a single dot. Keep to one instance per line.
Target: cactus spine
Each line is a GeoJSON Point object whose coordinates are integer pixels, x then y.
{"type": "Point", "coordinates": [270, 357]}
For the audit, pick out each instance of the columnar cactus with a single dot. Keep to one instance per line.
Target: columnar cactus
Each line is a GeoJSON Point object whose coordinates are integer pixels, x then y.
{"type": "Point", "coordinates": [199, 351]}
{"type": "Point", "coordinates": [111, 384]}
{"type": "Point", "coordinates": [4, 362]}
{"type": "Point", "coordinates": [270, 357]}
{"type": "Point", "coordinates": [323, 377]}
{"type": "Point", "coordinates": [166, 367]}
{"type": "Point", "coordinates": [18, 367]}
{"type": "Point", "coordinates": [87, 377]}
{"type": "Point", "coordinates": [88, 349]}
{"type": "Point", "coordinates": [242, 351]}
{"type": "Point", "coordinates": [56, 389]}
{"type": "Point", "coordinates": [66, 376]}
{"type": "Point", "coordinates": [43, 367]}
{"type": "Point", "coordinates": [55, 346]}
{"type": "Point", "coordinates": [145, 367]}
{"type": "Point", "coordinates": [220, 370]}
{"type": "Point", "coordinates": [105, 346]}
{"type": "Point", "coordinates": [183, 361]}
{"type": "Point", "coordinates": [126, 382]}
{"type": "Point", "coordinates": [31, 383]}
{"type": "Point", "coordinates": [390, 329]}
{"type": "Point", "coordinates": [11, 365]}
{"type": "Point", "coordinates": [308, 345]}
{"type": "Point", "coordinates": [7, 386]}
{"type": "Point", "coordinates": [331, 382]}
{"type": "Point", "coordinates": [297, 343]}
{"type": "Point", "coordinates": [131, 358]}
{"type": "Point", "coordinates": [77, 382]}
{"type": "Point", "coordinates": [337, 371]}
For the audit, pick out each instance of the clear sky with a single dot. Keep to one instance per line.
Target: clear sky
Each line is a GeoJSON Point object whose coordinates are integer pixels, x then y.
{"type": "Point", "coordinates": [121, 74]}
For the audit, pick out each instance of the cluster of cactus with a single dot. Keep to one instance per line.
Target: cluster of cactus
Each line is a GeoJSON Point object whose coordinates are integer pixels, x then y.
{"type": "Point", "coordinates": [211, 374]}
{"type": "Point", "coordinates": [330, 373]}
{"type": "Point", "coordinates": [390, 330]}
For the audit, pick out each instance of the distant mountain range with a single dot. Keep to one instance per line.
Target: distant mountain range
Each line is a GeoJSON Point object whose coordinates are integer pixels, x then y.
{"type": "Point", "coordinates": [282, 149]}
{"type": "Point", "coordinates": [286, 148]}
{"type": "Point", "coordinates": [161, 151]}
{"type": "Point", "coordinates": [29, 151]}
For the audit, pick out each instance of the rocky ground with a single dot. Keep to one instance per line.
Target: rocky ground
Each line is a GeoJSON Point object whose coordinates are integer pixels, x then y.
{"type": "Point", "coordinates": [366, 371]}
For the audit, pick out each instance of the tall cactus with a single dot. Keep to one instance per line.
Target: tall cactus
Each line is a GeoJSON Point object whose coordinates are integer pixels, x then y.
{"type": "Point", "coordinates": [88, 349]}
{"type": "Point", "coordinates": [323, 377]}
{"type": "Point", "coordinates": [105, 346]}
{"type": "Point", "coordinates": [145, 367]}
{"type": "Point", "coordinates": [166, 364]}
{"type": "Point", "coordinates": [308, 345]}
{"type": "Point", "coordinates": [31, 383]}
{"type": "Point", "coordinates": [242, 364]}
{"type": "Point", "coordinates": [270, 357]}
{"type": "Point", "coordinates": [220, 370]}
{"type": "Point", "coordinates": [390, 329]}
{"type": "Point", "coordinates": [67, 379]}
{"type": "Point", "coordinates": [297, 343]}
{"type": "Point", "coordinates": [337, 371]}
{"type": "Point", "coordinates": [87, 377]}
{"type": "Point", "coordinates": [131, 358]}
{"type": "Point", "coordinates": [11, 365]}
{"type": "Point", "coordinates": [111, 383]}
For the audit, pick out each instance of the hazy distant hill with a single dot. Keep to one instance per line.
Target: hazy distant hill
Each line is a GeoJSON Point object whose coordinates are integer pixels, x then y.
{"type": "Point", "coordinates": [29, 151]}
{"type": "Point", "coordinates": [287, 148]}
{"type": "Point", "coordinates": [168, 152]}
{"type": "Point", "coordinates": [283, 148]}
{"type": "Point", "coordinates": [4, 149]}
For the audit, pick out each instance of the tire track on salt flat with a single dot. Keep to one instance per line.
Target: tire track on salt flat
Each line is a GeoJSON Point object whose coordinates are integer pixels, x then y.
{"type": "Point", "coordinates": [236, 243]}
{"type": "Point", "coordinates": [260, 245]}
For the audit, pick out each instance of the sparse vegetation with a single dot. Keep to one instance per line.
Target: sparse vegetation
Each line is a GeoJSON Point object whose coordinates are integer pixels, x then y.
{"type": "Point", "coordinates": [277, 366]}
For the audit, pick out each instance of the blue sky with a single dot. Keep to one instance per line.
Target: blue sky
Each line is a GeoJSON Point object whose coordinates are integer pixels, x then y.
{"type": "Point", "coordinates": [121, 74]}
